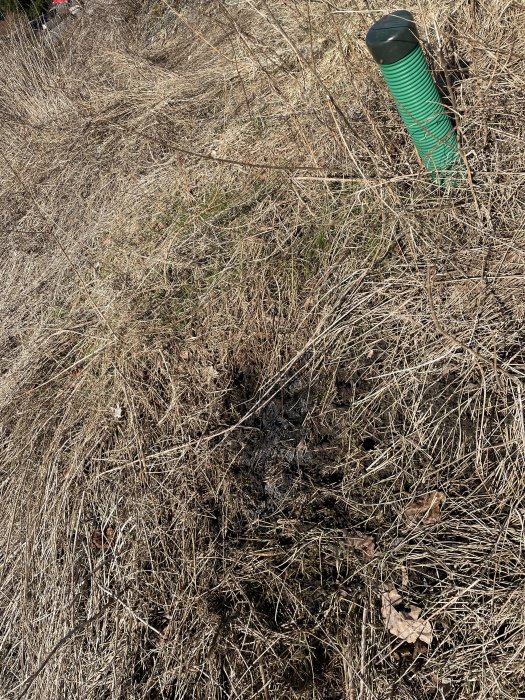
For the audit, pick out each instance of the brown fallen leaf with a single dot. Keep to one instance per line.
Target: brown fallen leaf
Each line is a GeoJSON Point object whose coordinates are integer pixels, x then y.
{"type": "Point", "coordinates": [103, 540]}
{"type": "Point", "coordinates": [340, 549]}
{"type": "Point", "coordinates": [404, 625]}
{"type": "Point", "coordinates": [438, 684]}
{"type": "Point", "coordinates": [425, 510]}
{"type": "Point", "coordinates": [420, 648]}
{"type": "Point", "coordinates": [410, 651]}
{"type": "Point", "coordinates": [365, 545]}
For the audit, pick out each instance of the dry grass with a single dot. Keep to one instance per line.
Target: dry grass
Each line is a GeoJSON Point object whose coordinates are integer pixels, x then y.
{"type": "Point", "coordinates": [223, 269]}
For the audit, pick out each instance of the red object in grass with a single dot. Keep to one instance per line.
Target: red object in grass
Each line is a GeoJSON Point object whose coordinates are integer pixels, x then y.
{"type": "Point", "coordinates": [58, 2]}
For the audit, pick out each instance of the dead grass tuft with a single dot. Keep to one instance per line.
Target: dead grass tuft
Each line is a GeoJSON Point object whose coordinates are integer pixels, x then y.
{"type": "Point", "coordinates": [246, 345]}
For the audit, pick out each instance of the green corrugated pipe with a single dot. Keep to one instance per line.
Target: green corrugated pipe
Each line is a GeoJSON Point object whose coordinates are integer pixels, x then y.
{"type": "Point", "coordinates": [393, 42]}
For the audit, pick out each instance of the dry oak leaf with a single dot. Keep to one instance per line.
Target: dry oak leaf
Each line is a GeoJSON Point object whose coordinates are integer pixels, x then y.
{"type": "Point", "coordinates": [365, 545]}
{"type": "Point", "coordinates": [104, 540]}
{"type": "Point", "coordinates": [404, 625]}
{"type": "Point", "coordinates": [425, 510]}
